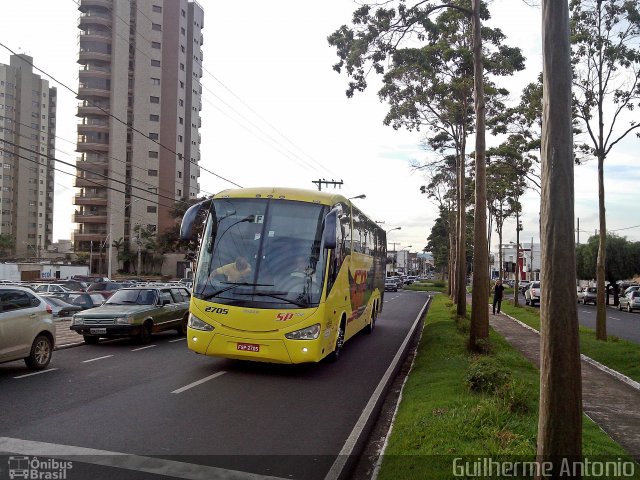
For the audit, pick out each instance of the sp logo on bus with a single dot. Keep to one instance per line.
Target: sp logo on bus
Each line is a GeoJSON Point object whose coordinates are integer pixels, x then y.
{"type": "Point", "coordinates": [283, 317]}
{"type": "Point", "coordinates": [218, 310]}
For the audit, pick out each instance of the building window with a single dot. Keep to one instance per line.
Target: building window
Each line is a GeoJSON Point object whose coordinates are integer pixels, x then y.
{"type": "Point", "coordinates": [152, 173]}
{"type": "Point", "coordinates": [152, 209]}
{"type": "Point", "coordinates": [181, 84]}
{"type": "Point", "coordinates": [183, 13]}
{"type": "Point", "coordinates": [180, 138]}
{"type": "Point", "coordinates": [156, 45]}
{"type": "Point", "coordinates": [179, 192]}
{"type": "Point", "coordinates": [181, 120]}
{"type": "Point", "coordinates": [179, 174]}
{"type": "Point", "coordinates": [181, 102]}
{"type": "Point", "coordinates": [154, 118]}
{"type": "Point", "coordinates": [182, 67]}
{"type": "Point", "coordinates": [153, 99]}
{"type": "Point", "coordinates": [155, 81]}
{"type": "Point", "coordinates": [155, 63]}
{"type": "Point", "coordinates": [182, 31]}
{"type": "Point", "coordinates": [156, 26]}
{"type": "Point", "coordinates": [153, 154]}
{"type": "Point", "coordinates": [156, 8]}
{"type": "Point", "coordinates": [153, 136]}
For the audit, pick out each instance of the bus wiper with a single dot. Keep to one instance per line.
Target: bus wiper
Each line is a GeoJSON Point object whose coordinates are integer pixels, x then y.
{"type": "Point", "coordinates": [278, 296]}
{"type": "Point", "coordinates": [233, 285]}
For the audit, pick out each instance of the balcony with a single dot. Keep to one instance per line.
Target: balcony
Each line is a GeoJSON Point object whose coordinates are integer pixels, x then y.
{"type": "Point", "coordinates": [93, 71]}
{"type": "Point", "coordinates": [89, 146]}
{"type": "Point", "coordinates": [89, 56]}
{"type": "Point", "coordinates": [90, 200]}
{"type": "Point", "coordinates": [88, 127]}
{"type": "Point", "coordinates": [95, 35]}
{"type": "Point", "coordinates": [85, 5]}
{"type": "Point", "coordinates": [90, 182]}
{"type": "Point", "coordinates": [79, 236]}
{"type": "Point", "coordinates": [84, 92]}
{"type": "Point", "coordinates": [95, 18]}
{"type": "Point", "coordinates": [87, 217]}
{"type": "Point", "coordinates": [89, 108]}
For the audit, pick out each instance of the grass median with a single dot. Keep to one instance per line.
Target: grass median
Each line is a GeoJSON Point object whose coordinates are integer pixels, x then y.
{"type": "Point", "coordinates": [441, 417]}
{"type": "Point", "coordinates": [620, 355]}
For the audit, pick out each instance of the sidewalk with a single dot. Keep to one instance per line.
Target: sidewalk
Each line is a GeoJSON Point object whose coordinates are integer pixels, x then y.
{"type": "Point", "coordinates": [609, 401]}
{"type": "Point", "coordinates": [65, 337]}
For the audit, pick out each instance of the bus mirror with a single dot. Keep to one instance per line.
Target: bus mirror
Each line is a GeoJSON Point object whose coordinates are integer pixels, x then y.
{"type": "Point", "coordinates": [190, 217]}
{"type": "Point", "coordinates": [329, 234]}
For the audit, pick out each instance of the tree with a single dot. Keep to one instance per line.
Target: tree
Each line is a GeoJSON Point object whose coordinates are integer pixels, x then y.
{"type": "Point", "coordinates": [560, 408]}
{"type": "Point", "coordinates": [7, 245]}
{"type": "Point", "coordinates": [606, 60]}
{"type": "Point", "coordinates": [169, 241]}
{"type": "Point", "coordinates": [377, 36]}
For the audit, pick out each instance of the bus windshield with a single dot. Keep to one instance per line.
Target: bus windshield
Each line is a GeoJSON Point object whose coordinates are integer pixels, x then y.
{"type": "Point", "coordinates": [262, 253]}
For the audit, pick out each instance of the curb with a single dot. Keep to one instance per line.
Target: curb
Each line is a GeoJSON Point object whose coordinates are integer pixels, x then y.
{"type": "Point", "coordinates": [614, 373]}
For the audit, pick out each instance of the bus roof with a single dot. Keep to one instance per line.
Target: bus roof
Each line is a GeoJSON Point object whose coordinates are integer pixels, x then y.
{"type": "Point", "coordinates": [299, 194]}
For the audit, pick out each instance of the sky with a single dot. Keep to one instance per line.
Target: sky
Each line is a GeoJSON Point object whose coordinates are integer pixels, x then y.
{"type": "Point", "coordinates": [275, 113]}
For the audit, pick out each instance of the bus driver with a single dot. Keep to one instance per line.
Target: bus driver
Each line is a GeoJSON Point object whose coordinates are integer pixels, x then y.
{"type": "Point", "coordinates": [235, 272]}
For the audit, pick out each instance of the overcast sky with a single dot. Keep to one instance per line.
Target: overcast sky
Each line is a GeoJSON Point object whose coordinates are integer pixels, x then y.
{"type": "Point", "coordinates": [275, 113]}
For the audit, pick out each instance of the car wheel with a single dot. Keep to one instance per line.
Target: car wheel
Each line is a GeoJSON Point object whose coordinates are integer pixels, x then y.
{"type": "Point", "coordinates": [619, 306]}
{"type": "Point", "coordinates": [182, 329]}
{"type": "Point", "coordinates": [91, 340]}
{"type": "Point", "coordinates": [40, 354]}
{"type": "Point", "coordinates": [145, 332]}
{"type": "Point", "coordinates": [335, 355]}
{"type": "Point", "coordinates": [629, 309]}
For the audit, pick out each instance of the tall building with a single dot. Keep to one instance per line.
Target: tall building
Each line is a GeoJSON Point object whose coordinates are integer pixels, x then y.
{"type": "Point", "coordinates": [139, 118]}
{"type": "Point", "coordinates": [27, 124]}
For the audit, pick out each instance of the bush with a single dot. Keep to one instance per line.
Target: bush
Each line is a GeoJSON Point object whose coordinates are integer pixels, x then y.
{"type": "Point", "coordinates": [516, 397]}
{"type": "Point", "coordinates": [485, 374]}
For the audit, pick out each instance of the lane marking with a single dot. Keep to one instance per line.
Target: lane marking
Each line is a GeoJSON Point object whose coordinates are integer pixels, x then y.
{"type": "Point", "coordinates": [97, 358]}
{"type": "Point", "coordinates": [36, 373]}
{"type": "Point", "coordinates": [143, 348]}
{"type": "Point", "coordinates": [178, 340]}
{"type": "Point", "coordinates": [199, 382]}
{"type": "Point", "coordinates": [137, 463]}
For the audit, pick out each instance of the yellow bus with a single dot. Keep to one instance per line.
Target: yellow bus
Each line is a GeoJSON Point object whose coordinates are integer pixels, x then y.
{"type": "Point", "coordinates": [283, 275]}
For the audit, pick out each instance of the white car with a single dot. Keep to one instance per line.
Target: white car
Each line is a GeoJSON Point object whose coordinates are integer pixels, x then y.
{"type": "Point", "coordinates": [27, 330]}
{"type": "Point", "coordinates": [51, 288]}
{"type": "Point", "coordinates": [532, 294]}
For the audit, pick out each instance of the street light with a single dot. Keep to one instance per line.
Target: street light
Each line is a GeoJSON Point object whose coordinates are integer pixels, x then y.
{"type": "Point", "coordinates": [394, 247]}
{"type": "Point", "coordinates": [406, 258]}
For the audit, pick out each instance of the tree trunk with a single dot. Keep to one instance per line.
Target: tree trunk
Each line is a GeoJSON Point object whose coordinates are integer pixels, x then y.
{"type": "Point", "coordinates": [516, 284]}
{"type": "Point", "coordinates": [461, 263]}
{"type": "Point", "coordinates": [560, 415]}
{"type": "Point", "coordinates": [601, 314]}
{"type": "Point", "coordinates": [480, 296]}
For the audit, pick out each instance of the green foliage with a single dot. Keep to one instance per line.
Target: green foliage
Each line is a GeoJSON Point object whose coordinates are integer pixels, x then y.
{"type": "Point", "coordinates": [485, 374]}
{"type": "Point", "coordinates": [7, 245]}
{"type": "Point", "coordinates": [622, 258]}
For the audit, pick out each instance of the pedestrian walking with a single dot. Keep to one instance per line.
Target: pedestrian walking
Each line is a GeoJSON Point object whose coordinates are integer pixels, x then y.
{"type": "Point", "coordinates": [497, 295]}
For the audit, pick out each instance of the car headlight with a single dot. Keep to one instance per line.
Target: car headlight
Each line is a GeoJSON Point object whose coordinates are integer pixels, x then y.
{"type": "Point", "coordinates": [77, 320]}
{"type": "Point", "coordinates": [308, 333]}
{"type": "Point", "coordinates": [197, 324]}
{"type": "Point", "coordinates": [123, 321]}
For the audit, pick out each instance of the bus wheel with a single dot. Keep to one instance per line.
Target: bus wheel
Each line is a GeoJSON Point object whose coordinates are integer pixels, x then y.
{"type": "Point", "coordinates": [333, 356]}
{"type": "Point", "coordinates": [372, 322]}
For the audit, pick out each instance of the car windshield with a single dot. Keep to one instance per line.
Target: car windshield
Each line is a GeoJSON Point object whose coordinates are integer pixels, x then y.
{"type": "Point", "coordinates": [133, 297]}
{"type": "Point", "coordinates": [262, 253]}
{"type": "Point", "coordinates": [56, 302]}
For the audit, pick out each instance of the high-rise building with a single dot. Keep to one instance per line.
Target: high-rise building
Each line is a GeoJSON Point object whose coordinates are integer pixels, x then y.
{"type": "Point", "coordinates": [27, 124]}
{"type": "Point", "coordinates": [139, 119]}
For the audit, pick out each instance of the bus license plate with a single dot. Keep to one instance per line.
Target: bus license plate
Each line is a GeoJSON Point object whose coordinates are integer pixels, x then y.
{"type": "Point", "coordinates": [97, 330]}
{"type": "Point", "coordinates": [248, 347]}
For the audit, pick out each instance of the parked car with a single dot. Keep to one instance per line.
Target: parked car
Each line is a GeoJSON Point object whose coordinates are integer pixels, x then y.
{"type": "Point", "coordinates": [390, 285]}
{"type": "Point", "coordinates": [589, 295]}
{"type": "Point", "coordinates": [532, 294]}
{"type": "Point", "coordinates": [51, 288]}
{"type": "Point", "coordinates": [84, 300]}
{"type": "Point", "coordinates": [106, 289]}
{"type": "Point", "coordinates": [59, 307]}
{"type": "Point", "coordinates": [630, 300]}
{"type": "Point", "coordinates": [27, 330]}
{"type": "Point", "coordinates": [632, 288]}
{"type": "Point", "coordinates": [135, 312]}
{"type": "Point", "coordinates": [523, 285]}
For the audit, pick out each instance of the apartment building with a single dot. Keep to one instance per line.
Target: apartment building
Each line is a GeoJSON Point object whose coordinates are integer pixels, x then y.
{"type": "Point", "coordinates": [27, 126]}
{"type": "Point", "coordinates": [139, 119]}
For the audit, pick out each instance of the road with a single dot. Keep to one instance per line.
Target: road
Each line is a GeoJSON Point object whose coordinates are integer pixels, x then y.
{"type": "Point", "coordinates": [622, 324]}
{"type": "Point", "coordinates": [174, 413]}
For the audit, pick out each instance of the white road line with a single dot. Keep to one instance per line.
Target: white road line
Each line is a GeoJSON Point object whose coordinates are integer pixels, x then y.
{"type": "Point", "coordinates": [137, 463]}
{"type": "Point", "coordinates": [143, 348]}
{"type": "Point", "coordinates": [195, 384]}
{"type": "Point", "coordinates": [36, 373]}
{"type": "Point", "coordinates": [178, 340]}
{"type": "Point", "coordinates": [97, 358]}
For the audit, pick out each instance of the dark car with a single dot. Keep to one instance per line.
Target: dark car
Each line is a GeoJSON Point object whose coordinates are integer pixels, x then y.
{"type": "Point", "coordinates": [135, 312]}
{"type": "Point", "coordinates": [106, 289]}
{"type": "Point", "coordinates": [59, 307]}
{"type": "Point", "coordinates": [84, 300]}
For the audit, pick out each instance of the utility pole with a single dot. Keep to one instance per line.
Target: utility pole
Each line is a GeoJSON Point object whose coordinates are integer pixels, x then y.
{"type": "Point", "coordinates": [110, 254]}
{"type": "Point", "coordinates": [322, 181]}
{"type": "Point", "coordinates": [139, 242]}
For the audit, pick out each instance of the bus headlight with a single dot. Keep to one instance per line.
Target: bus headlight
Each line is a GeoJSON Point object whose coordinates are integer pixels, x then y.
{"type": "Point", "coordinates": [308, 333]}
{"type": "Point", "coordinates": [197, 324]}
